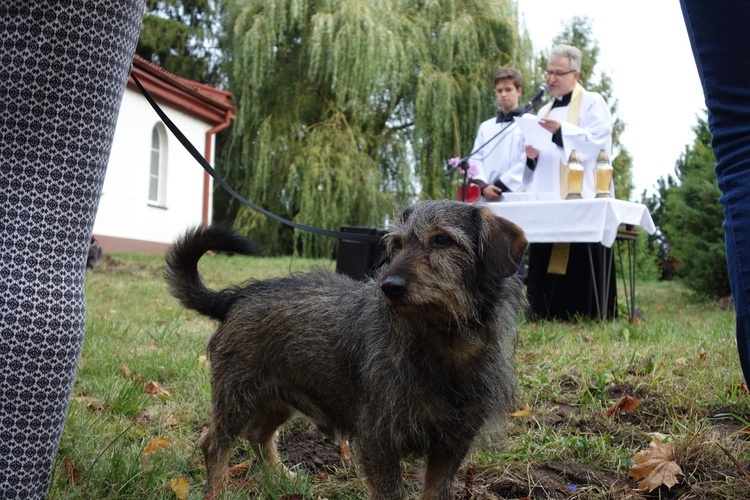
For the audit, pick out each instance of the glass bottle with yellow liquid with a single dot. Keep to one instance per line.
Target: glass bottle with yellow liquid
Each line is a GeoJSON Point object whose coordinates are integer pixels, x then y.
{"type": "Point", "coordinates": [574, 174]}
{"type": "Point", "coordinates": [603, 175]}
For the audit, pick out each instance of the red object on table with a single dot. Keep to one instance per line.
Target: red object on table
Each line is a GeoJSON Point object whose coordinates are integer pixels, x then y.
{"type": "Point", "coordinates": [472, 193]}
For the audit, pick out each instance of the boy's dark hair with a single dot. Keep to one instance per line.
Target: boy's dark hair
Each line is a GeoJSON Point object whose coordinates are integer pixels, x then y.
{"type": "Point", "coordinates": [509, 74]}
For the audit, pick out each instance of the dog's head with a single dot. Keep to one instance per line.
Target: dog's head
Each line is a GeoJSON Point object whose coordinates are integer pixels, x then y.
{"type": "Point", "coordinates": [448, 259]}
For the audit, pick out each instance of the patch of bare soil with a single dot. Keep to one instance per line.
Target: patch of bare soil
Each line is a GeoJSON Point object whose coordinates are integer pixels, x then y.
{"type": "Point", "coordinates": [304, 446]}
{"type": "Point", "coordinates": [555, 480]}
{"type": "Point", "coordinates": [113, 265]}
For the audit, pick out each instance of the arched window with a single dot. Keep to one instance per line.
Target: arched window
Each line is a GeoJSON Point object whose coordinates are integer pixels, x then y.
{"type": "Point", "coordinates": [157, 176]}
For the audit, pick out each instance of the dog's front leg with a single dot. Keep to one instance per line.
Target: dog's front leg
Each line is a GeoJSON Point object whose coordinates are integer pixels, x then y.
{"type": "Point", "coordinates": [441, 468]}
{"type": "Point", "coordinates": [382, 475]}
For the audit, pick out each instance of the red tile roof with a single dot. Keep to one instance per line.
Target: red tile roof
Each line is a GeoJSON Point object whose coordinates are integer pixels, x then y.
{"type": "Point", "coordinates": [201, 101]}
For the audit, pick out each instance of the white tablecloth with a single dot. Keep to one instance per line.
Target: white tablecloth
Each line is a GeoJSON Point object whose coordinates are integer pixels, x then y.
{"type": "Point", "coordinates": [574, 221]}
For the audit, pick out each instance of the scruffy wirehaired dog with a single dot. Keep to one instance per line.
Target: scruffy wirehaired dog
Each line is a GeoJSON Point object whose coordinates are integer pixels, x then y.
{"type": "Point", "coordinates": [415, 361]}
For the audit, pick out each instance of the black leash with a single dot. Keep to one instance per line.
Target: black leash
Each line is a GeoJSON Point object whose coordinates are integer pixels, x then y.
{"type": "Point", "coordinates": [341, 235]}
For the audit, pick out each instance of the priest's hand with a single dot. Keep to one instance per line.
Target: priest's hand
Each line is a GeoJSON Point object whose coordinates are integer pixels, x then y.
{"type": "Point", "coordinates": [491, 192]}
{"type": "Point", "coordinates": [550, 124]}
{"type": "Point", "coordinates": [531, 152]}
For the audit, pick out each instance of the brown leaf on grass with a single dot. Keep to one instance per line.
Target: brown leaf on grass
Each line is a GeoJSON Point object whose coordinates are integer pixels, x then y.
{"type": "Point", "coordinates": [626, 404]}
{"type": "Point", "coordinates": [471, 473]}
{"type": "Point", "coordinates": [240, 469]}
{"type": "Point", "coordinates": [521, 413]}
{"type": "Point", "coordinates": [655, 466]}
{"type": "Point", "coordinates": [157, 389]}
{"type": "Point", "coordinates": [180, 487]}
{"type": "Point", "coordinates": [126, 372]}
{"type": "Point", "coordinates": [527, 357]}
{"type": "Point", "coordinates": [92, 404]}
{"type": "Point", "coordinates": [702, 354]}
{"type": "Point", "coordinates": [743, 388]}
{"type": "Point", "coordinates": [661, 308]}
{"type": "Point", "coordinates": [74, 477]}
{"type": "Point", "coordinates": [155, 444]}
{"type": "Point", "coordinates": [564, 402]}
{"type": "Point", "coordinates": [169, 420]}
{"type": "Point", "coordinates": [202, 361]}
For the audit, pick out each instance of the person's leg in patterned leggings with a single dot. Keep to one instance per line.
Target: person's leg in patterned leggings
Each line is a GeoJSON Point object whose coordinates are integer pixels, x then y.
{"type": "Point", "coordinates": [63, 68]}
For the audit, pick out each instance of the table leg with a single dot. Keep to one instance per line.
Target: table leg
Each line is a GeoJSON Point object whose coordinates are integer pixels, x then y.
{"type": "Point", "coordinates": [594, 283]}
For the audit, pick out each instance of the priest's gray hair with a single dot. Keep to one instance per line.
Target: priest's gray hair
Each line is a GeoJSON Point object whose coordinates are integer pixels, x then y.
{"type": "Point", "coordinates": [573, 54]}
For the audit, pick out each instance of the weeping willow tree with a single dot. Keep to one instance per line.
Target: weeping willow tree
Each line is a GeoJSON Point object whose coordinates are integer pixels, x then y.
{"type": "Point", "coordinates": [348, 108]}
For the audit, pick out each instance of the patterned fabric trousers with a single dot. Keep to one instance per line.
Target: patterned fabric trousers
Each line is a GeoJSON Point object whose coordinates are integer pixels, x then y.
{"type": "Point", "coordinates": [63, 69]}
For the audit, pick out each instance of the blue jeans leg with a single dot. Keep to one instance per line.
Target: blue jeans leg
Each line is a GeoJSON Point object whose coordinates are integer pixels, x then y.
{"type": "Point", "coordinates": [718, 35]}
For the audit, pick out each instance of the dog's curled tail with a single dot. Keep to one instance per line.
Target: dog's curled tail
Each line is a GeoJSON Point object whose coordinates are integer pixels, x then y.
{"type": "Point", "coordinates": [182, 268]}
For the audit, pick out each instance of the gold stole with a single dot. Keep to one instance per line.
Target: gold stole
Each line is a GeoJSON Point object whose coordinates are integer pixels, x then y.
{"type": "Point", "coordinates": [558, 261]}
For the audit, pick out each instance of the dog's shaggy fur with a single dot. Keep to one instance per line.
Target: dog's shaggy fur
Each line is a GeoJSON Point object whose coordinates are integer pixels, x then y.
{"type": "Point", "coordinates": [415, 361]}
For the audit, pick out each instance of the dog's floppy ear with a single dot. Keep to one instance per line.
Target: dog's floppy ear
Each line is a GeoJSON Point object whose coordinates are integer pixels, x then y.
{"type": "Point", "coordinates": [406, 213]}
{"type": "Point", "coordinates": [501, 244]}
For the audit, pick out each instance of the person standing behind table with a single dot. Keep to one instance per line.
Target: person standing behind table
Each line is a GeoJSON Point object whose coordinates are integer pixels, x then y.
{"type": "Point", "coordinates": [560, 283]}
{"type": "Point", "coordinates": [578, 119]}
{"type": "Point", "coordinates": [502, 161]}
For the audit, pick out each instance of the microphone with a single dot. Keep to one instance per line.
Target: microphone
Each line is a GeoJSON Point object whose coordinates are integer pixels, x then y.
{"type": "Point", "coordinates": [543, 88]}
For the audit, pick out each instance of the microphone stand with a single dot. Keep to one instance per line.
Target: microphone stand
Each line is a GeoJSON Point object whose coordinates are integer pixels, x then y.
{"type": "Point", "coordinates": [464, 163]}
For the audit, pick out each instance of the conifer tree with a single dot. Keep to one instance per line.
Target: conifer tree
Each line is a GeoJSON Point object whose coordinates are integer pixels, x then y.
{"type": "Point", "coordinates": [694, 218]}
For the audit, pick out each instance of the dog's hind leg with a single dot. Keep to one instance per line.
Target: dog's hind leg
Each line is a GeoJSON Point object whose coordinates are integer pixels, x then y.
{"type": "Point", "coordinates": [216, 445]}
{"type": "Point", "coordinates": [261, 433]}
{"type": "Point", "coordinates": [229, 419]}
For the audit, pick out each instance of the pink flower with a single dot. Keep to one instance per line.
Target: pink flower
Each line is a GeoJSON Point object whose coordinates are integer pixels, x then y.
{"type": "Point", "coordinates": [459, 163]}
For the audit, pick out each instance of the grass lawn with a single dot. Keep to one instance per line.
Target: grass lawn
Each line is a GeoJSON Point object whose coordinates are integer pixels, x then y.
{"type": "Point", "coordinates": [141, 399]}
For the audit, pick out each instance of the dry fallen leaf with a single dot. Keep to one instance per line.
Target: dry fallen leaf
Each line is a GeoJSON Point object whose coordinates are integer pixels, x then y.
{"type": "Point", "coordinates": [90, 403]}
{"type": "Point", "coordinates": [240, 469]}
{"type": "Point", "coordinates": [157, 389]}
{"type": "Point", "coordinates": [655, 466]}
{"type": "Point", "coordinates": [157, 443]}
{"type": "Point", "coordinates": [202, 361]}
{"type": "Point", "coordinates": [180, 486]}
{"type": "Point", "coordinates": [527, 357]}
{"type": "Point", "coordinates": [522, 413]}
{"type": "Point", "coordinates": [74, 477]}
{"type": "Point", "coordinates": [626, 404]}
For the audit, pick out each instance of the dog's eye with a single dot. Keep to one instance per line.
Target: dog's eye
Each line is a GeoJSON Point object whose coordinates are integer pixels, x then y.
{"type": "Point", "coordinates": [396, 244]}
{"type": "Point", "coordinates": [441, 241]}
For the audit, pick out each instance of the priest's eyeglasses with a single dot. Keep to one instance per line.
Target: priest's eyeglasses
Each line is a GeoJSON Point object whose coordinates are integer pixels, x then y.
{"type": "Point", "coordinates": [558, 74]}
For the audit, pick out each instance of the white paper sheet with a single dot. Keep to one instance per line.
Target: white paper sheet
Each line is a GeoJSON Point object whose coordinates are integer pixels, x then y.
{"type": "Point", "coordinates": [534, 134]}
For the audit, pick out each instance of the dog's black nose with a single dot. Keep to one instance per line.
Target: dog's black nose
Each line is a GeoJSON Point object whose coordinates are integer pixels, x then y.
{"type": "Point", "coordinates": [393, 287]}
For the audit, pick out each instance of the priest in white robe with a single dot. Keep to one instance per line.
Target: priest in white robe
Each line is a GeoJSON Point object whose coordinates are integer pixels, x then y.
{"type": "Point", "coordinates": [563, 278]}
{"type": "Point", "coordinates": [499, 146]}
{"type": "Point", "coordinates": [577, 120]}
